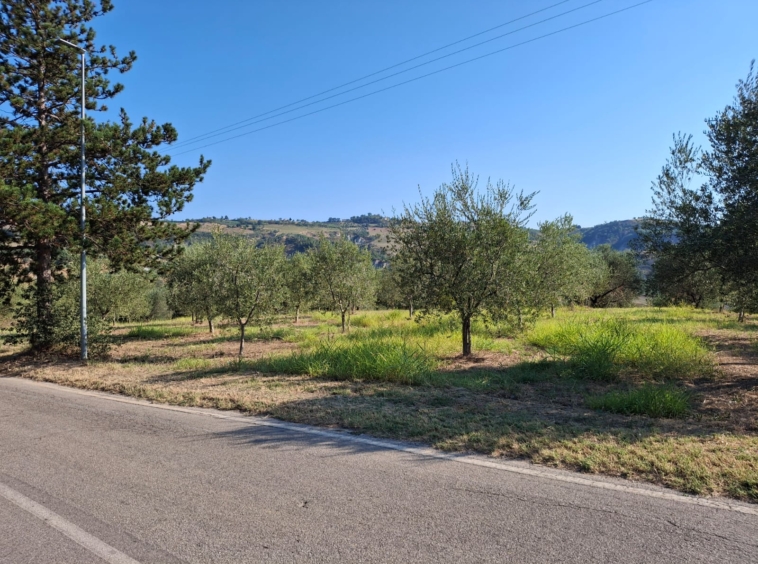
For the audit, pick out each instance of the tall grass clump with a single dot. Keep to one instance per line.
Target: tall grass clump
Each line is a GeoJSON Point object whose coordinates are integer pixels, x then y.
{"type": "Point", "coordinates": [653, 401]}
{"type": "Point", "coordinates": [379, 360]}
{"type": "Point", "coordinates": [600, 349]}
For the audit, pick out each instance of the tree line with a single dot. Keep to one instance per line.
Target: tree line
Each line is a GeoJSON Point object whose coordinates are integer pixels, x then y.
{"type": "Point", "coordinates": [231, 277]}
{"type": "Point", "coordinates": [460, 251]}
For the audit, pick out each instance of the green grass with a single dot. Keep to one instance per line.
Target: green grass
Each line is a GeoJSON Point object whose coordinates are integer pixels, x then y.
{"type": "Point", "coordinates": [653, 401]}
{"type": "Point", "coordinates": [274, 334]}
{"type": "Point", "coordinates": [156, 332]}
{"type": "Point", "coordinates": [378, 360]}
{"type": "Point", "coordinates": [599, 349]}
{"type": "Point", "coordinates": [400, 378]}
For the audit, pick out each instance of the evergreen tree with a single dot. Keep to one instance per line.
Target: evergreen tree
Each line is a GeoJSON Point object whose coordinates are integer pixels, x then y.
{"type": "Point", "coordinates": [131, 187]}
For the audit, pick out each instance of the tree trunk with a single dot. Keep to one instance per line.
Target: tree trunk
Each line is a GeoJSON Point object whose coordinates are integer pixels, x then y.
{"type": "Point", "coordinates": [297, 314]}
{"type": "Point", "coordinates": [741, 317]}
{"type": "Point", "coordinates": [242, 338]}
{"type": "Point", "coordinates": [552, 310]}
{"type": "Point", "coordinates": [42, 336]}
{"type": "Point", "coordinates": [466, 334]}
{"type": "Point", "coordinates": [410, 309]}
{"type": "Point", "coordinates": [210, 324]}
{"type": "Point", "coordinates": [343, 321]}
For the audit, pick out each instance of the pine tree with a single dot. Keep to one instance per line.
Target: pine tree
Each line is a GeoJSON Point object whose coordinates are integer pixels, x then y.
{"type": "Point", "coordinates": [131, 187]}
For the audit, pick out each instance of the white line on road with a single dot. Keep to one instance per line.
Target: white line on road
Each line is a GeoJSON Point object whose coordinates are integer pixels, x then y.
{"type": "Point", "coordinates": [545, 473]}
{"type": "Point", "coordinates": [80, 537]}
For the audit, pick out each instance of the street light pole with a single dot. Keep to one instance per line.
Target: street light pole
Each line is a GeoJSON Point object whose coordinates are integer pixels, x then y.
{"type": "Point", "coordinates": [82, 217]}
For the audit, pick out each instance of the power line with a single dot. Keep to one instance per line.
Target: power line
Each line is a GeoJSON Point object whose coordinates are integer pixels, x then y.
{"type": "Point", "coordinates": [586, 22]}
{"type": "Point", "coordinates": [229, 128]}
{"type": "Point", "coordinates": [204, 135]}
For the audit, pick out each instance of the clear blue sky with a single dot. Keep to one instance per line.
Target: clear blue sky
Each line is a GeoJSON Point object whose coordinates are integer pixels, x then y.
{"type": "Point", "coordinates": [584, 117]}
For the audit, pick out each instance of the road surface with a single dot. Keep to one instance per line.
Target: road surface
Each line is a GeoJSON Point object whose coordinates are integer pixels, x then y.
{"type": "Point", "coordinates": [87, 478]}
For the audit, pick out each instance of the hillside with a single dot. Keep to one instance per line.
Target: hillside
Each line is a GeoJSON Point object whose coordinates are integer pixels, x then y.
{"type": "Point", "coordinates": [617, 234]}
{"type": "Point", "coordinates": [369, 231]}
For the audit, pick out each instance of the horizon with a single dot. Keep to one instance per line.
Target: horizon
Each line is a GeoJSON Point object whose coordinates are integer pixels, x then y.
{"type": "Point", "coordinates": [335, 219]}
{"type": "Point", "coordinates": [583, 117]}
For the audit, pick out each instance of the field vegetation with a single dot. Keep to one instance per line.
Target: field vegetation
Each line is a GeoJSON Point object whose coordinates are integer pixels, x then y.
{"type": "Point", "coordinates": [665, 395]}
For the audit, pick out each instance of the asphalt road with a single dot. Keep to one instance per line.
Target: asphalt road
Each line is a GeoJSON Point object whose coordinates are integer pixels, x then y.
{"type": "Point", "coordinates": [90, 478]}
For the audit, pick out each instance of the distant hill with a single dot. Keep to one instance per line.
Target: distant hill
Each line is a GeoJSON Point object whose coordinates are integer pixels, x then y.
{"type": "Point", "coordinates": [369, 231]}
{"type": "Point", "coordinates": [617, 234]}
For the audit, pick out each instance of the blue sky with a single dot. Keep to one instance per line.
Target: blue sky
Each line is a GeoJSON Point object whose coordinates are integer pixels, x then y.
{"type": "Point", "coordinates": [583, 117]}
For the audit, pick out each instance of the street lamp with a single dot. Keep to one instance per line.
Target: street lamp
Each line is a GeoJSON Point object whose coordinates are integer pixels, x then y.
{"type": "Point", "coordinates": [82, 218]}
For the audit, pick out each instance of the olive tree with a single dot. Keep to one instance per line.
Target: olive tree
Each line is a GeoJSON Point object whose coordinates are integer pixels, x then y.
{"type": "Point", "coordinates": [120, 295]}
{"type": "Point", "coordinates": [344, 275]}
{"type": "Point", "coordinates": [616, 277]}
{"type": "Point", "coordinates": [562, 264]}
{"type": "Point", "coordinates": [195, 280]}
{"type": "Point", "coordinates": [298, 278]}
{"type": "Point", "coordinates": [252, 281]}
{"type": "Point", "coordinates": [462, 247]}
{"type": "Point", "coordinates": [702, 227]}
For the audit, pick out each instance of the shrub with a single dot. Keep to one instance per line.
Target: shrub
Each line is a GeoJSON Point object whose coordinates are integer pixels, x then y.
{"type": "Point", "coordinates": [653, 401]}
{"type": "Point", "coordinates": [66, 328]}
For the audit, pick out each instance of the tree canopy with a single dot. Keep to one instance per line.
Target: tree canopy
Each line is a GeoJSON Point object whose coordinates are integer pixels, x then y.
{"type": "Point", "coordinates": [702, 226]}
{"type": "Point", "coordinates": [344, 277]}
{"type": "Point", "coordinates": [131, 187]}
{"type": "Point", "coordinates": [463, 247]}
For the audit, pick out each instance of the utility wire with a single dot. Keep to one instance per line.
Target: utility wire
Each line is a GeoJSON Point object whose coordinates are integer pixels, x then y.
{"type": "Point", "coordinates": [586, 22]}
{"type": "Point", "coordinates": [198, 137]}
{"type": "Point", "coordinates": [229, 129]}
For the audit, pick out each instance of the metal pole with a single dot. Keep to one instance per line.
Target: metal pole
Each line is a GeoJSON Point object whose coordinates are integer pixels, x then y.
{"type": "Point", "coordinates": [83, 216]}
{"type": "Point", "coordinates": [82, 225]}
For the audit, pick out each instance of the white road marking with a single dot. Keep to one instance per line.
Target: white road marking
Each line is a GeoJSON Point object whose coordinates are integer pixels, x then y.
{"type": "Point", "coordinates": [79, 536]}
{"type": "Point", "coordinates": [546, 473]}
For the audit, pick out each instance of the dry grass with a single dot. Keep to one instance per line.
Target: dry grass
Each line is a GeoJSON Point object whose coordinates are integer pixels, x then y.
{"type": "Point", "coordinates": [508, 401]}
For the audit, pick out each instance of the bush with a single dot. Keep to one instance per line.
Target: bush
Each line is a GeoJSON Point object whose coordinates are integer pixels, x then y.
{"type": "Point", "coordinates": [386, 361]}
{"type": "Point", "coordinates": [66, 328]}
{"type": "Point", "coordinates": [653, 401]}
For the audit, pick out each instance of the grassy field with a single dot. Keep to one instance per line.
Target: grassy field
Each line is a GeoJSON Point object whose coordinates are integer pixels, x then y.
{"type": "Point", "coordinates": [668, 396]}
